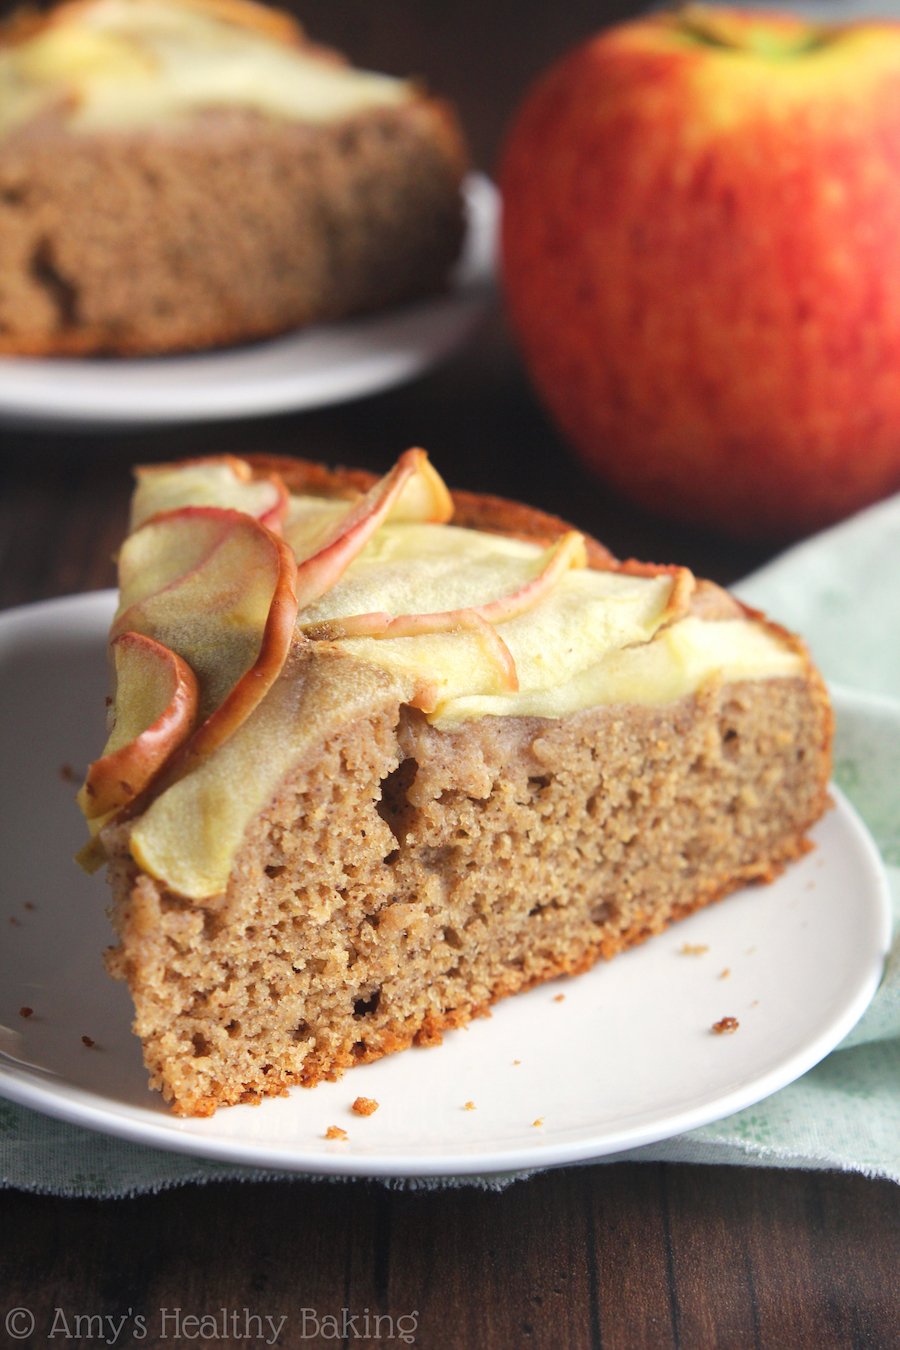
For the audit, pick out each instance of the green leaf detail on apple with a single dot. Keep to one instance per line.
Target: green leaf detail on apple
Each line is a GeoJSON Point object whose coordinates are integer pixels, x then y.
{"type": "Point", "coordinates": [756, 35]}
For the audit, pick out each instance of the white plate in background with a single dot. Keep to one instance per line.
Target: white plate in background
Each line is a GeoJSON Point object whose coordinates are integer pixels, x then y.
{"type": "Point", "coordinates": [310, 368]}
{"type": "Point", "coordinates": [627, 1058]}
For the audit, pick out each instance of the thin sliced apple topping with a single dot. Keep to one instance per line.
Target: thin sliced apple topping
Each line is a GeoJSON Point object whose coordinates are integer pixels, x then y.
{"type": "Point", "coordinates": [499, 658]}
{"type": "Point", "coordinates": [313, 522]}
{"type": "Point", "coordinates": [247, 614]}
{"type": "Point", "coordinates": [155, 709]}
{"type": "Point", "coordinates": [567, 552]}
{"type": "Point", "coordinates": [412, 489]}
{"type": "Point", "coordinates": [221, 480]}
{"type": "Point", "coordinates": [218, 588]}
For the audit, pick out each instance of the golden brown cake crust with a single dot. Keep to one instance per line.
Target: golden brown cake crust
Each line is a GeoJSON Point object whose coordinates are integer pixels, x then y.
{"type": "Point", "coordinates": [500, 515]}
{"type": "Point", "coordinates": [405, 878]}
{"type": "Point", "coordinates": [475, 511]}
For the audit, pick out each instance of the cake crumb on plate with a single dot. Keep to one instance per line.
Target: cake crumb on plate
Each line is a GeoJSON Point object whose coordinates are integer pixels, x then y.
{"type": "Point", "coordinates": [364, 1106]}
{"type": "Point", "coordinates": [725, 1026]}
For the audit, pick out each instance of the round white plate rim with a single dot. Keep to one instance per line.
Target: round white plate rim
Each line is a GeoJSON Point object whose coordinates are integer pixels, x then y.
{"type": "Point", "coordinates": [394, 346]}
{"type": "Point", "coordinates": [67, 1102]}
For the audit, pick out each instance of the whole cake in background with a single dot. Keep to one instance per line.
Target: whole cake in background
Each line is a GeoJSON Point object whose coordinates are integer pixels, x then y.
{"type": "Point", "coordinates": [381, 754]}
{"type": "Point", "coordinates": [179, 174]}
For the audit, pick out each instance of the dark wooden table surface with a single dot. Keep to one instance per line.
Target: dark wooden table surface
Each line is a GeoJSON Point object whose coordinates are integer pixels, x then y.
{"type": "Point", "coordinates": [622, 1255]}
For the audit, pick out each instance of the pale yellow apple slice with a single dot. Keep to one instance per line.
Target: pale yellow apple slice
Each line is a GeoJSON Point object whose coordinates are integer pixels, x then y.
{"type": "Point", "coordinates": [380, 626]}
{"type": "Point", "coordinates": [220, 480]}
{"type": "Point", "coordinates": [218, 588]}
{"type": "Point", "coordinates": [684, 584]}
{"type": "Point", "coordinates": [412, 488]}
{"type": "Point", "coordinates": [156, 702]}
{"type": "Point", "coordinates": [313, 522]}
{"type": "Point", "coordinates": [173, 839]}
{"type": "Point", "coordinates": [567, 552]}
{"type": "Point", "coordinates": [423, 495]}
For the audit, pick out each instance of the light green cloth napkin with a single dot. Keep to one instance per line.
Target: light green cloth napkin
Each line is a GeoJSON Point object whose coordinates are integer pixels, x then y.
{"type": "Point", "coordinates": [841, 589]}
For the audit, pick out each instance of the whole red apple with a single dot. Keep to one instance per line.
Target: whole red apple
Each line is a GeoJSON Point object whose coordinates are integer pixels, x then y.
{"type": "Point", "coordinates": [701, 251]}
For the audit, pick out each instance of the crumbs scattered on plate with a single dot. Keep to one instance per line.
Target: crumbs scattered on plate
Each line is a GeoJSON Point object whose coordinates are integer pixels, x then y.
{"type": "Point", "coordinates": [335, 1132]}
{"type": "Point", "coordinates": [25, 1011]}
{"type": "Point", "coordinates": [723, 974]}
{"type": "Point", "coordinates": [364, 1106]}
{"type": "Point", "coordinates": [538, 1124]}
{"type": "Point", "coordinates": [88, 1041]}
{"type": "Point", "coordinates": [559, 998]}
{"type": "Point", "coordinates": [725, 1026]}
{"type": "Point", "coordinates": [469, 1106]}
{"type": "Point", "coordinates": [693, 949]}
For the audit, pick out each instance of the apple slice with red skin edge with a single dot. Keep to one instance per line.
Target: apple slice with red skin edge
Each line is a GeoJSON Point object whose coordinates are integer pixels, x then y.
{"type": "Point", "coordinates": [119, 775]}
{"type": "Point", "coordinates": [568, 552]}
{"type": "Point", "coordinates": [424, 497]}
{"type": "Point", "coordinates": [222, 555]}
{"type": "Point", "coordinates": [215, 480]}
{"type": "Point", "coordinates": [252, 687]}
{"type": "Point", "coordinates": [319, 572]}
{"type": "Point", "coordinates": [199, 574]}
{"type": "Point", "coordinates": [377, 625]}
{"type": "Point", "coordinates": [168, 551]}
{"type": "Point", "coordinates": [684, 584]}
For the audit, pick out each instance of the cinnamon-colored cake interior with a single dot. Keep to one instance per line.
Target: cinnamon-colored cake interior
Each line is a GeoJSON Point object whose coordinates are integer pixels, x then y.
{"type": "Point", "coordinates": [179, 174]}
{"type": "Point", "coordinates": [412, 866]}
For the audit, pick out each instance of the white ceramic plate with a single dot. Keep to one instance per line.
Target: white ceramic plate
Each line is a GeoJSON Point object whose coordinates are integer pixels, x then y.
{"type": "Point", "coordinates": [626, 1058]}
{"type": "Point", "coordinates": [308, 369]}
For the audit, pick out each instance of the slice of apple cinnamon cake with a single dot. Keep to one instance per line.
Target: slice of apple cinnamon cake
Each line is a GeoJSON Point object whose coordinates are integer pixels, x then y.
{"type": "Point", "coordinates": [381, 755]}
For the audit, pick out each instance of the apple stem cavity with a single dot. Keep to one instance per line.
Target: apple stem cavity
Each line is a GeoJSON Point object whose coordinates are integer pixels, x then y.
{"type": "Point", "coordinates": [754, 35]}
